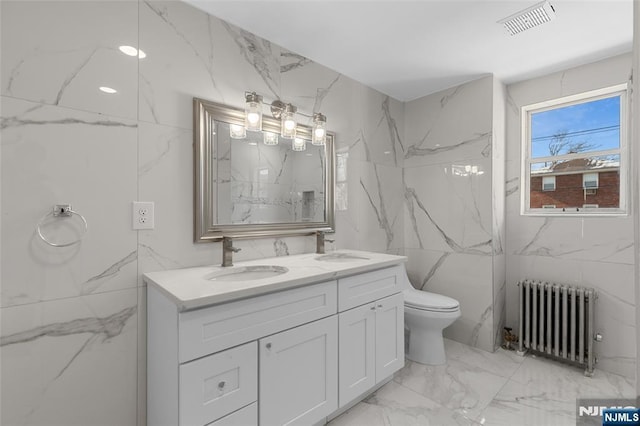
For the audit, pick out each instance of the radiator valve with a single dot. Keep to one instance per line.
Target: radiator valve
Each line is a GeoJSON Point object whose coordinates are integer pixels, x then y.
{"type": "Point", "coordinates": [509, 338]}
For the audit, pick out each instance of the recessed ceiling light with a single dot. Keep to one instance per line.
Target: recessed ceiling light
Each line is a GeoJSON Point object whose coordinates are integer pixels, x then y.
{"type": "Point", "coordinates": [132, 51]}
{"type": "Point", "coordinates": [108, 90]}
{"type": "Point", "coordinates": [533, 16]}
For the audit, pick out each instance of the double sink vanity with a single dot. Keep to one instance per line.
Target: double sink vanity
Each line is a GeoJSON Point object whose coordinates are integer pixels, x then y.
{"type": "Point", "coordinates": [291, 340]}
{"type": "Point", "coordinates": [287, 340]}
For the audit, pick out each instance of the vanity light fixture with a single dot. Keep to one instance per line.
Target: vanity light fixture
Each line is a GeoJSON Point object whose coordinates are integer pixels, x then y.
{"type": "Point", "coordinates": [270, 138]}
{"type": "Point", "coordinates": [253, 112]}
{"type": "Point", "coordinates": [319, 132]}
{"type": "Point", "coordinates": [289, 125]}
{"type": "Point", "coordinates": [285, 112]}
{"type": "Point", "coordinates": [298, 144]}
{"type": "Point", "coordinates": [237, 131]}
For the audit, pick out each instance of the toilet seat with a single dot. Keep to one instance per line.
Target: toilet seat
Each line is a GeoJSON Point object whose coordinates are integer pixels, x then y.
{"type": "Point", "coordinates": [426, 301]}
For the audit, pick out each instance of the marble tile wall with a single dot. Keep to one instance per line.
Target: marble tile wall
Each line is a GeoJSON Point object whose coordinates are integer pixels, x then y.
{"type": "Point", "coordinates": [73, 319]}
{"type": "Point", "coordinates": [593, 251]}
{"type": "Point", "coordinates": [452, 235]}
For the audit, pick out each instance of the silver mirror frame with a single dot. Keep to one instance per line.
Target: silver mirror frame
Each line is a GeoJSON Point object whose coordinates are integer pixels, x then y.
{"type": "Point", "coordinates": [204, 229]}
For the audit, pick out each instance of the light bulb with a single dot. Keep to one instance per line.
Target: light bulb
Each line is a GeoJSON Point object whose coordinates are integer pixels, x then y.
{"type": "Point", "coordinates": [319, 133]}
{"type": "Point", "coordinates": [287, 122]}
{"type": "Point", "coordinates": [253, 112]}
{"type": "Point", "coordinates": [253, 117]}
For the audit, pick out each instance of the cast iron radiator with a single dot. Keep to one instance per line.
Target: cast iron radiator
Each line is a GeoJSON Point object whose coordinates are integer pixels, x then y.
{"type": "Point", "coordinates": [558, 321]}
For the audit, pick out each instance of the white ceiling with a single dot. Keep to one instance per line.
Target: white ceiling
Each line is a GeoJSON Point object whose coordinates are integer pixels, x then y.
{"type": "Point", "coordinates": [408, 49]}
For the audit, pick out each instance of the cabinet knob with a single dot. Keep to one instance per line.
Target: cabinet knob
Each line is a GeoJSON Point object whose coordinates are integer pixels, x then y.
{"type": "Point", "coordinates": [379, 306]}
{"type": "Point", "coordinates": [221, 385]}
{"type": "Point", "coordinates": [268, 346]}
{"type": "Point", "coordinates": [373, 308]}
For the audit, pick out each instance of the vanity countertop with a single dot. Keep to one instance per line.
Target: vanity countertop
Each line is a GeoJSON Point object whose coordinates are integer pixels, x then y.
{"type": "Point", "coordinates": [190, 288]}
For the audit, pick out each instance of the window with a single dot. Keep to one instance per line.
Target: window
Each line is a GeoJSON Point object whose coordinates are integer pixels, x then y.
{"type": "Point", "coordinates": [574, 156]}
{"type": "Point", "coordinates": [590, 181]}
{"type": "Point", "coordinates": [548, 183]}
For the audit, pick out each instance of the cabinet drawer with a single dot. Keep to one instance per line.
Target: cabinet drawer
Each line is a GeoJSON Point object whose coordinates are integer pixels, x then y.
{"type": "Point", "coordinates": [209, 330]}
{"type": "Point", "coordinates": [247, 416]}
{"type": "Point", "coordinates": [364, 288]}
{"type": "Point", "coordinates": [219, 384]}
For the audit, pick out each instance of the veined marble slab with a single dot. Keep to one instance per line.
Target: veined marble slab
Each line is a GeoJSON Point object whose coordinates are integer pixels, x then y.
{"type": "Point", "coordinates": [189, 288]}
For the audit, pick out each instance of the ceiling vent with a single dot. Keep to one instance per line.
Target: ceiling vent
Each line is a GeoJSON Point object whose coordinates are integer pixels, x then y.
{"type": "Point", "coordinates": [531, 17]}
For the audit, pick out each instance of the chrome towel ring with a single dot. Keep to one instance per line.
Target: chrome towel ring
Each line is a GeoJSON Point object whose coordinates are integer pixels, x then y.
{"type": "Point", "coordinates": [62, 210]}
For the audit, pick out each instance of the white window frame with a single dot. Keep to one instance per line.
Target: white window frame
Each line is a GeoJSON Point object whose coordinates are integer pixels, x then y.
{"type": "Point", "coordinates": [621, 90]}
{"type": "Point", "coordinates": [548, 178]}
{"type": "Point", "coordinates": [584, 180]}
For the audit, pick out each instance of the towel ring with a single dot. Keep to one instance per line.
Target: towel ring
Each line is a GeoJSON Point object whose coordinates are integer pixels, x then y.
{"type": "Point", "coordinates": [61, 210]}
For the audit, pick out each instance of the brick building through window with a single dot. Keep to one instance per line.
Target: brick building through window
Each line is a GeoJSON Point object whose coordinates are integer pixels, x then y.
{"type": "Point", "coordinates": [576, 183]}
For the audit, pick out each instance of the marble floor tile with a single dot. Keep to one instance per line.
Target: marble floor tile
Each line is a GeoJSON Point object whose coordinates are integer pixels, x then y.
{"type": "Point", "coordinates": [501, 362]}
{"type": "Point", "coordinates": [456, 385]}
{"type": "Point", "coordinates": [476, 387]}
{"type": "Point", "coordinates": [529, 405]}
{"type": "Point", "coordinates": [394, 404]}
{"type": "Point", "coordinates": [570, 381]}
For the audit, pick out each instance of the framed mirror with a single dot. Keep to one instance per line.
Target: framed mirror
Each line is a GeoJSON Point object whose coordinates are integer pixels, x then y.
{"type": "Point", "coordinates": [257, 184]}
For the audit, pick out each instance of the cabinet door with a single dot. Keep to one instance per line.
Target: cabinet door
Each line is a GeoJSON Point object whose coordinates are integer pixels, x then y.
{"type": "Point", "coordinates": [389, 335]}
{"type": "Point", "coordinates": [357, 334]}
{"type": "Point", "coordinates": [299, 374]}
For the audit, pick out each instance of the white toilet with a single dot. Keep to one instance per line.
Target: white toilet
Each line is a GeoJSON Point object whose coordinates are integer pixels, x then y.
{"type": "Point", "coordinates": [426, 315]}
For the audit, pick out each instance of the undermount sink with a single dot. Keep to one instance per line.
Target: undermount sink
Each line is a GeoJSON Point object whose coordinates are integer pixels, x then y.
{"type": "Point", "coordinates": [247, 273]}
{"type": "Point", "coordinates": [340, 257]}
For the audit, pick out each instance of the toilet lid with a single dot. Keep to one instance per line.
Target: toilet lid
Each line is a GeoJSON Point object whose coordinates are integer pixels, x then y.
{"type": "Point", "coordinates": [429, 301]}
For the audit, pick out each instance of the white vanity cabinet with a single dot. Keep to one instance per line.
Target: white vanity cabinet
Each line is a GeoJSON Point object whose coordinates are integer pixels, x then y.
{"type": "Point", "coordinates": [202, 365]}
{"type": "Point", "coordinates": [296, 355]}
{"type": "Point", "coordinates": [371, 344]}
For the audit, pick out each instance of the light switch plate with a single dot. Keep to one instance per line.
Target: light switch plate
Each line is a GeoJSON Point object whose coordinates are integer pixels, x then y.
{"type": "Point", "coordinates": [143, 215]}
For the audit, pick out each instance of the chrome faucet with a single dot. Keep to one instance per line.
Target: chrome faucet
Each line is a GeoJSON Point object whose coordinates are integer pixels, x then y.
{"type": "Point", "coordinates": [227, 251]}
{"type": "Point", "coordinates": [320, 240]}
